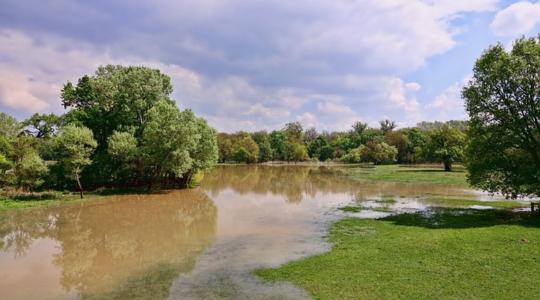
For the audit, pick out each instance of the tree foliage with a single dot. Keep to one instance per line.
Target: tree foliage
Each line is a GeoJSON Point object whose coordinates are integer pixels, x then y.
{"type": "Point", "coordinates": [122, 130]}
{"type": "Point", "coordinates": [445, 145]}
{"type": "Point", "coordinates": [503, 102]}
{"type": "Point", "coordinates": [75, 146]}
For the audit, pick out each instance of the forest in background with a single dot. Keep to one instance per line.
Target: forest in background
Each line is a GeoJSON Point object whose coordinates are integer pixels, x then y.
{"type": "Point", "coordinates": [433, 142]}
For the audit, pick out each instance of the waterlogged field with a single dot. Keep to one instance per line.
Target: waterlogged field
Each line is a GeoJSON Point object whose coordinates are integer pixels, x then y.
{"type": "Point", "coordinates": [208, 242]}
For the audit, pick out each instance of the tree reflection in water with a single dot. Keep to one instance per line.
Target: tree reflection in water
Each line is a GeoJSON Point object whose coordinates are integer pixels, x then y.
{"type": "Point", "coordinates": [122, 247]}
{"type": "Point", "coordinates": [296, 183]}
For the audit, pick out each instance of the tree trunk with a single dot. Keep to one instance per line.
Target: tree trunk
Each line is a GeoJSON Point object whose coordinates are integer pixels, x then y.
{"type": "Point", "coordinates": [447, 166]}
{"type": "Point", "coordinates": [79, 184]}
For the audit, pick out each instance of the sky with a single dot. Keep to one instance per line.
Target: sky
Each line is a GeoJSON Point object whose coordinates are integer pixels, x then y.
{"type": "Point", "coordinates": [250, 64]}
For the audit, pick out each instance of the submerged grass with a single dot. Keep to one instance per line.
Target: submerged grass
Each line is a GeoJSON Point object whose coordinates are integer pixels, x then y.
{"type": "Point", "coordinates": [467, 202]}
{"type": "Point", "coordinates": [411, 174]}
{"type": "Point", "coordinates": [448, 253]}
{"type": "Point", "coordinates": [39, 200]}
{"type": "Point", "coordinates": [14, 200]}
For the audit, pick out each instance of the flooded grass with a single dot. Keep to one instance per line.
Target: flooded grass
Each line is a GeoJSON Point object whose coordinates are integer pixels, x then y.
{"type": "Point", "coordinates": [470, 254]}
{"type": "Point", "coordinates": [467, 202]}
{"type": "Point", "coordinates": [46, 199]}
{"type": "Point", "coordinates": [411, 174]}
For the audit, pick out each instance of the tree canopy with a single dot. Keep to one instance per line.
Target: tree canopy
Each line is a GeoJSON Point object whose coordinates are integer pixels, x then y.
{"type": "Point", "coordinates": [503, 102]}
{"type": "Point", "coordinates": [122, 129]}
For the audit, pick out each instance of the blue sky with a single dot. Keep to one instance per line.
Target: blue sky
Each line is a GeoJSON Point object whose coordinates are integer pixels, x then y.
{"type": "Point", "coordinates": [250, 64]}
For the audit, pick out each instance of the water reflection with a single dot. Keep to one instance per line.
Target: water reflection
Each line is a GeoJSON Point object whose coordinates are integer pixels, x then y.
{"type": "Point", "coordinates": [122, 247]}
{"type": "Point", "coordinates": [296, 183]}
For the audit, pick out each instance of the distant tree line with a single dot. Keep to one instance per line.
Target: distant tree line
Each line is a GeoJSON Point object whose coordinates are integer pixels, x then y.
{"type": "Point", "coordinates": [428, 142]}
{"type": "Point", "coordinates": [122, 129]}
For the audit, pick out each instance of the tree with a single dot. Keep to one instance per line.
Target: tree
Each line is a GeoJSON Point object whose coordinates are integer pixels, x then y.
{"type": "Point", "coordinates": [377, 152]}
{"type": "Point", "coordinates": [320, 149]}
{"type": "Point", "coordinates": [246, 143]}
{"type": "Point", "coordinates": [30, 171]}
{"type": "Point", "coordinates": [168, 138]}
{"type": "Point", "coordinates": [123, 148]}
{"type": "Point", "coordinates": [310, 135]}
{"type": "Point", "coordinates": [353, 156]}
{"type": "Point", "coordinates": [277, 141]}
{"type": "Point", "coordinates": [241, 155]}
{"type": "Point", "coordinates": [399, 140]}
{"type": "Point", "coordinates": [76, 145]}
{"type": "Point", "coordinates": [225, 147]}
{"type": "Point", "coordinates": [359, 127]}
{"type": "Point", "coordinates": [294, 132]}
{"type": "Point", "coordinates": [42, 125]}
{"type": "Point", "coordinates": [205, 153]}
{"type": "Point", "coordinates": [387, 125]}
{"type": "Point", "coordinates": [445, 145]}
{"type": "Point", "coordinates": [503, 103]}
{"type": "Point", "coordinates": [265, 148]}
{"type": "Point", "coordinates": [416, 140]}
{"type": "Point", "coordinates": [5, 166]}
{"type": "Point", "coordinates": [9, 127]}
{"type": "Point", "coordinates": [116, 96]}
{"type": "Point", "coordinates": [28, 167]}
{"type": "Point", "coordinates": [295, 151]}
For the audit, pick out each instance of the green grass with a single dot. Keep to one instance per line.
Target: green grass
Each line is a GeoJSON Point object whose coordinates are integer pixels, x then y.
{"type": "Point", "coordinates": [10, 201]}
{"type": "Point", "coordinates": [13, 200]}
{"type": "Point", "coordinates": [411, 174]}
{"type": "Point", "coordinates": [450, 254]}
{"type": "Point", "coordinates": [28, 202]}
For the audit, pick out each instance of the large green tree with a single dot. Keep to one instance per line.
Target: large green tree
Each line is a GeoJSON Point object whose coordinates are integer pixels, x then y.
{"type": "Point", "coordinates": [142, 137]}
{"type": "Point", "coordinates": [503, 102]}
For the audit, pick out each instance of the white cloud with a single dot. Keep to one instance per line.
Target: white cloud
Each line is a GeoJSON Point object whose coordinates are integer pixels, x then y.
{"type": "Point", "coordinates": [244, 64]}
{"type": "Point", "coordinates": [308, 120]}
{"type": "Point", "coordinates": [19, 92]}
{"type": "Point", "coordinates": [449, 104]}
{"type": "Point", "coordinates": [517, 19]}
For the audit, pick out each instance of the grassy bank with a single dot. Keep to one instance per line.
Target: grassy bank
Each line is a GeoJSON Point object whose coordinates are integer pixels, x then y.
{"type": "Point", "coordinates": [411, 174]}
{"type": "Point", "coordinates": [17, 201]}
{"type": "Point", "coordinates": [487, 254]}
{"type": "Point", "coordinates": [12, 200]}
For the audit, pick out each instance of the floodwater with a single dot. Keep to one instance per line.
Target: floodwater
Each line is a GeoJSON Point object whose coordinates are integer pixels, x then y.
{"type": "Point", "coordinates": [190, 244]}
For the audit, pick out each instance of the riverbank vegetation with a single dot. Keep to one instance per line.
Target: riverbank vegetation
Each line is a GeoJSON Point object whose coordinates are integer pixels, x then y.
{"type": "Point", "coordinates": [121, 130]}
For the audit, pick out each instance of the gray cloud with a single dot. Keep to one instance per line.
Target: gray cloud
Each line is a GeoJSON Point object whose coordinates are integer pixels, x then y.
{"type": "Point", "coordinates": [242, 64]}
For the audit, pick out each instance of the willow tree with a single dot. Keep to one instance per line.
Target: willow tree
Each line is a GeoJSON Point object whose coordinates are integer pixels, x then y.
{"type": "Point", "coordinates": [503, 102]}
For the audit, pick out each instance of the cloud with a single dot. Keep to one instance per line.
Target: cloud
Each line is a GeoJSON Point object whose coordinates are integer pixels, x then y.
{"type": "Point", "coordinates": [20, 92]}
{"type": "Point", "coordinates": [241, 64]}
{"type": "Point", "coordinates": [517, 19]}
{"type": "Point", "coordinates": [449, 104]}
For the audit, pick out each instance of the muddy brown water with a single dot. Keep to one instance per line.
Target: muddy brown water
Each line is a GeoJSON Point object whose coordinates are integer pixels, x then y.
{"type": "Point", "coordinates": [189, 244]}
